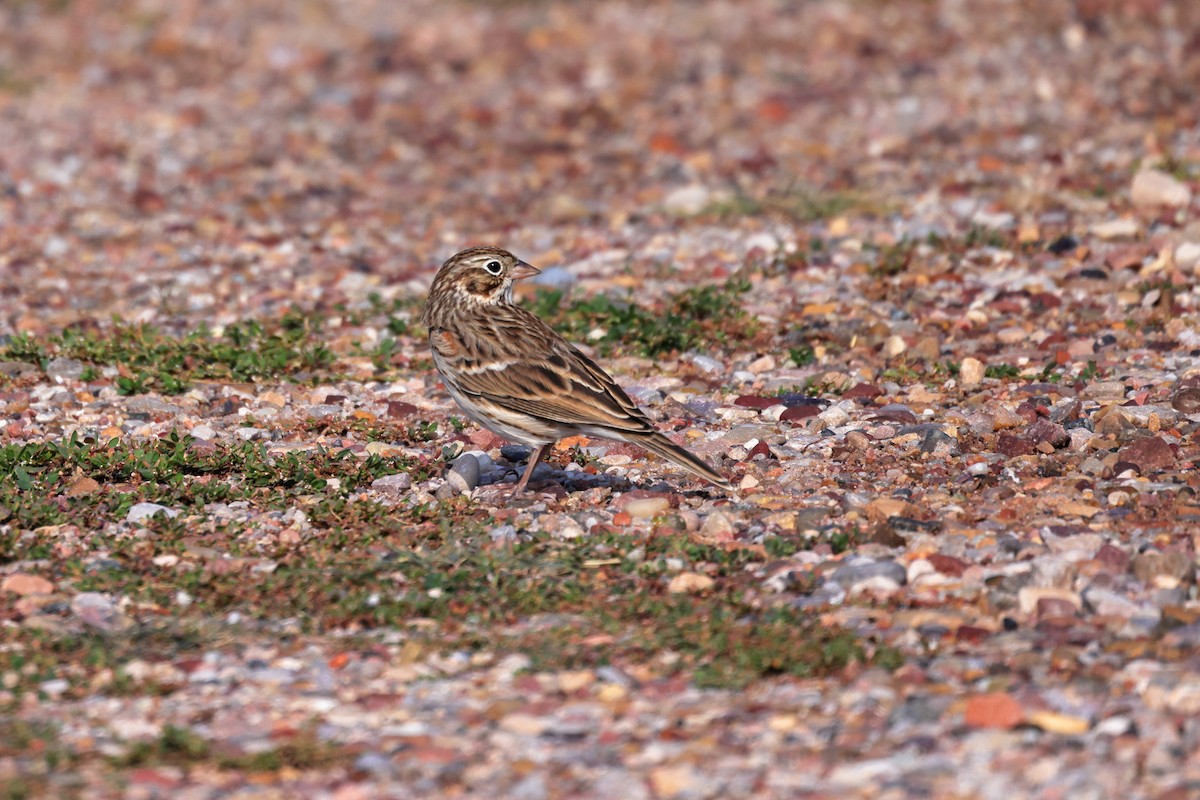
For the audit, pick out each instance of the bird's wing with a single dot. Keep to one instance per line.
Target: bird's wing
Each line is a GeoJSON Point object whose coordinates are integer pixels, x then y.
{"type": "Point", "coordinates": [535, 371]}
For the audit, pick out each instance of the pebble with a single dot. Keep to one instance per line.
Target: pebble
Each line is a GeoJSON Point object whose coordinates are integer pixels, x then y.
{"type": "Point", "coordinates": [464, 473]}
{"type": "Point", "coordinates": [1116, 229]}
{"type": "Point", "coordinates": [970, 372]}
{"type": "Point", "coordinates": [64, 369]}
{"type": "Point", "coordinates": [717, 527]}
{"type": "Point", "coordinates": [858, 572]}
{"type": "Point", "coordinates": [393, 484]}
{"type": "Point", "coordinates": [647, 507]}
{"type": "Point", "coordinates": [1152, 188]}
{"type": "Point", "coordinates": [204, 432]}
{"type": "Point", "coordinates": [1108, 603]}
{"type": "Point", "coordinates": [141, 511]}
{"type": "Point", "coordinates": [23, 584]}
{"type": "Point", "coordinates": [1187, 256]}
{"type": "Point", "coordinates": [515, 453]}
{"type": "Point", "coordinates": [893, 346]}
{"type": "Point", "coordinates": [99, 611]}
{"type": "Point", "coordinates": [690, 583]}
{"type": "Point", "coordinates": [689, 200]}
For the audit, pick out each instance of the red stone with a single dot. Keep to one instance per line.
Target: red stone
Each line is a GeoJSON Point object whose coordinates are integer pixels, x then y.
{"type": "Point", "coordinates": [866, 391]}
{"type": "Point", "coordinates": [948, 565]}
{"type": "Point", "coordinates": [756, 401]}
{"type": "Point", "coordinates": [1114, 559]}
{"type": "Point", "coordinates": [1150, 453]}
{"type": "Point", "coordinates": [1010, 445]}
{"type": "Point", "coordinates": [400, 409]}
{"type": "Point", "coordinates": [799, 412]}
{"type": "Point", "coordinates": [993, 710]}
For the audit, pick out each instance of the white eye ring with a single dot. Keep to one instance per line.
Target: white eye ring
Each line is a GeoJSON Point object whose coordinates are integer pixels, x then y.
{"type": "Point", "coordinates": [493, 267]}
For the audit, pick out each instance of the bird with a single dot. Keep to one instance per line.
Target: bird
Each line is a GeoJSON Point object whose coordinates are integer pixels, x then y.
{"type": "Point", "coordinates": [516, 376]}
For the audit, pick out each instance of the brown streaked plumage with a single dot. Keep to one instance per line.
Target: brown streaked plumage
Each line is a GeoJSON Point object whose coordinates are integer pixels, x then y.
{"type": "Point", "coordinates": [513, 374]}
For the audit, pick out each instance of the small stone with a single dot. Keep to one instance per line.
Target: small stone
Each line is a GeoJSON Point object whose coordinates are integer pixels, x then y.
{"type": "Point", "coordinates": [525, 724]}
{"type": "Point", "coordinates": [857, 440]}
{"type": "Point", "coordinates": [1187, 400]}
{"type": "Point", "coordinates": [1111, 230]}
{"type": "Point", "coordinates": [647, 507]}
{"type": "Point", "coordinates": [1114, 423]}
{"type": "Point", "coordinates": [575, 680]}
{"type": "Point", "coordinates": [1153, 188]}
{"type": "Point", "coordinates": [690, 583]}
{"type": "Point", "coordinates": [64, 369]}
{"type": "Point", "coordinates": [993, 710]}
{"type": "Point", "coordinates": [1061, 724]}
{"type": "Point", "coordinates": [882, 509]}
{"type": "Point", "coordinates": [1107, 603]}
{"type": "Point", "coordinates": [717, 528]}
{"type": "Point", "coordinates": [795, 413]}
{"type": "Point", "coordinates": [464, 473]}
{"type": "Point", "coordinates": [1114, 559]}
{"type": "Point", "coordinates": [398, 409]}
{"type": "Point", "coordinates": [1030, 597]}
{"type": "Point", "coordinates": [1100, 390]}
{"type": "Point", "coordinates": [937, 442]}
{"type": "Point", "coordinates": [1149, 453]}
{"type": "Point", "coordinates": [894, 346]}
{"type": "Point", "coordinates": [834, 416]}
{"type": "Point", "coordinates": [1187, 256]}
{"type": "Point", "coordinates": [204, 432]}
{"type": "Point", "coordinates": [1149, 566]}
{"type": "Point", "coordinates": [515, 453]}
{"type": "Point", "coordinates": [97, 610]}
{"type": "Point", "coordinates": [141, 511]}
{"type": "Point", "coordinates": [858, 573]}
{"type": "Point", "coordinates": [673, 781]}
{"type": "Point", "coordinates": [82, 487]}
{"type": "Point", "coordinates": [687, 201]}
{"type": "Point", "coordinates": [393, 484]}
{"type": "Point", "coordinates": [1045, 431]}
{"type": "Point", "coordinates": [971, 372]}
{"type": "Point", "coordinates": [23, 584]}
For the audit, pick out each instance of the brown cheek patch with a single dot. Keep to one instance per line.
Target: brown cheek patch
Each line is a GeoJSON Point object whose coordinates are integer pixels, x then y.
{"type": "Point", "coordinates": [483, 286]}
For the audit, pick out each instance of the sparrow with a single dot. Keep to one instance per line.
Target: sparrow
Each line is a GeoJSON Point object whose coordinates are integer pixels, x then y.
{"type": "Point", "coordinates": [514, 375]}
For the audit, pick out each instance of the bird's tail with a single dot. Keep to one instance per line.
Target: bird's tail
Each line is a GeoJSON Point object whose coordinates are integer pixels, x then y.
{"type": "Point", "coordinates": [660, 445]}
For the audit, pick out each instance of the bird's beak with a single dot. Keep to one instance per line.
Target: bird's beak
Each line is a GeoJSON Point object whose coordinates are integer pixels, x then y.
{"type": "Point", "coordinates": [523, 270]}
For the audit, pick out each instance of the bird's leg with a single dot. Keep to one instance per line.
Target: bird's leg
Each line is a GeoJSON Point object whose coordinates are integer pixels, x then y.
{"type": "Point", "coordinates": [534, 459]}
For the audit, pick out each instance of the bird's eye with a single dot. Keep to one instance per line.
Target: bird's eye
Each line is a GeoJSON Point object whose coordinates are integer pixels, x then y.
{"type": "Point", "coordinates": [493, 267]}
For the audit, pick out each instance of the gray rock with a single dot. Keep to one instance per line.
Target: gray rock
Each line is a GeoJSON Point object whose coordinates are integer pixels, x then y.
{"type": "Point", "coordinates": [149, 404]}
{"type": "Point", "coordinates": [857, 571]}
{"type": "Point", "coordinates": [464, 473]}
{"type": "Point", "coordinates": [515, 453]}
{"type": "Point", "coordinates": [377, 764]}
{"type": "Point", "coordinates": [64, 369]}
{"type": "Point", "coordinates": [204, 432]}
{"type": "Point", "coordinates": [18, 369]}
{"type": "Point", "coordinates": [141, 511]}
{"type": "Point", "coordinates": [706, 364]}
{"type": "Point", "coordinates": [1108, 603]}
{"type": "Point", "coordinates": [393, 484]}
{"type": "Point", "coordinates": [99, 611]}
{"type": "Point", "coordinates": [1152, 188]}
{"type": "Point", "coordinates": [938, 442]}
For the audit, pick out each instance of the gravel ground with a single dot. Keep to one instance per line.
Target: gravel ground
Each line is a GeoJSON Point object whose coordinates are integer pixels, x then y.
{"type": "Point", "coordinates": [951, 359]}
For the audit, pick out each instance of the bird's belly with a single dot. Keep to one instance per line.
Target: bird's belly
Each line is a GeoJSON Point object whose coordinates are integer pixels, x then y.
{"type": "Point", "coordinates": [512, 425]}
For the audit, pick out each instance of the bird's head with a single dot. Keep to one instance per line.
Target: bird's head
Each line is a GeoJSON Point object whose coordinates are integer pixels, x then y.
{"type": "Point", "coordinates": [482, 275]}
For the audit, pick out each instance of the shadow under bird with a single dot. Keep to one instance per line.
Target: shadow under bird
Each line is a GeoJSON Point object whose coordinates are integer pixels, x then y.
{"type": "Point", "coordinates": [514, 375]}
